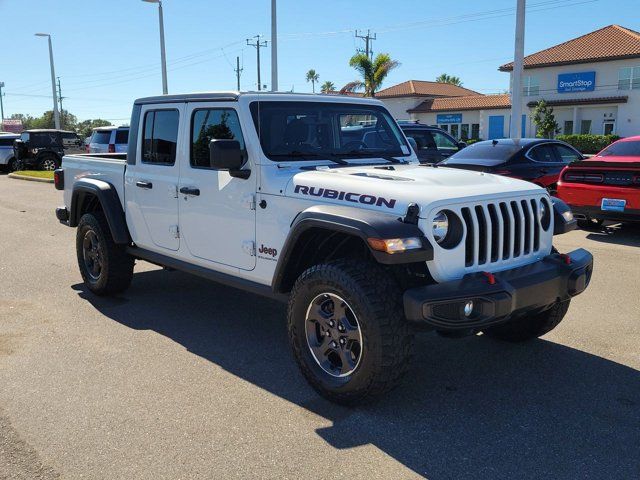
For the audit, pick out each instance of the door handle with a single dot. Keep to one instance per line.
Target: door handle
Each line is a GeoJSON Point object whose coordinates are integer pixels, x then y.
{"type": "Point", "coordinates": [147, 185]}
{"type": "Point", "coordinates": [190, 191]}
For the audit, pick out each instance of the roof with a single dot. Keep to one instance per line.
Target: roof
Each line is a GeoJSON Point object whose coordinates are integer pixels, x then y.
{"type": "Point", "coordinates": [521, 142]}
{"type": "Point", "coordinates": [46, 130]}
{"type": "Point", "coordinates": [609, 43]}
{"type": "Point", "coordinates": [469, 102]}
{"type": "Point", "coordinates": [110, 127]}
{"type": "Point", "coordinates": [423, 88]}
{"type": "Point", "coordinates": [582, 101]}
{"type": "Point", "coordinates": [234, 96]}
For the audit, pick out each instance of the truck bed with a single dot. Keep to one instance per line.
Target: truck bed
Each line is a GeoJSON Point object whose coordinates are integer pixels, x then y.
{"type": "Point", "coordinates": [109, 167]}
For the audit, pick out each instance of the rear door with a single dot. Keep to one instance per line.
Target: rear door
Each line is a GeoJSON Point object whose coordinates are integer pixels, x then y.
{"type": "Point", "coordinates": [217, 211]}
{"type": "Point", "coordinates": [151, 184]}
{"type": "Point", "coordinates": [540, 165]}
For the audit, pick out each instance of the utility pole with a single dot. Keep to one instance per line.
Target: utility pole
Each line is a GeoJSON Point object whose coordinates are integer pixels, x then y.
{"type": "Point", "coordinates": [368, 38]}
{"type": "Point", "coordinates": [163, 55]}
{"type": "Point", "coordinates": [515, 126]}
{"type": "Point", "coordinates": [274, 48]}
{"type": "Point", "coordinates": [258, 44]}
{"type": "Point", "coordinates": [56, 113]}
{"type": "Point", "coordinates": [60, 100]}
{"type": "Point", "coordinates": [238, 71]}
{"type": "Point", "coordinates": [1, 105]}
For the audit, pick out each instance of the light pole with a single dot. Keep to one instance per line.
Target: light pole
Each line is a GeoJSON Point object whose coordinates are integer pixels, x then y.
{"type": "Point", "coordinates": [274, 48]}
{"type": "Point", "coordinates": [163, 57]}
{"type": "Point", "coordinates": [515, 126]}
{"type": "Point", "coordinates": [1, 105]}
{"type": "Point", "coordinates": [56, 113]}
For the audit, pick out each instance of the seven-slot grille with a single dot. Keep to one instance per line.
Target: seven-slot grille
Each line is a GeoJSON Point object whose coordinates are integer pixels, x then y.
{"type": "Point", "coordinates": [501, 231]}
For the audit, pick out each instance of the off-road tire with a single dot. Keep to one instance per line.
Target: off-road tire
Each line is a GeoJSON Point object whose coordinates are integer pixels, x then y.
{"type": "Point", "coordinates": [49, 162]}
{"type": "Point", "coordinates": [387, 338]}
{"type": "Point", "coordinates": [531, 326]}
{"type": "Point", "coordinates": [12, 165]}
{"type": "Point", "coordinates": [117, 265]}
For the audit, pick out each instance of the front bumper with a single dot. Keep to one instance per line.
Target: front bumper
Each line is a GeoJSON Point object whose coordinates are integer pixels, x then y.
{"type": "Point", "coordinates": [515, 292]}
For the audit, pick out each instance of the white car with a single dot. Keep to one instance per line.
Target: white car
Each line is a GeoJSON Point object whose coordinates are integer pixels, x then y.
{"type": "Point", "coordinates": [272, 193]}
{"type": "Point", "coordinates": [7, 157]}
{"type": "Point", "coordinates": [109, 140]}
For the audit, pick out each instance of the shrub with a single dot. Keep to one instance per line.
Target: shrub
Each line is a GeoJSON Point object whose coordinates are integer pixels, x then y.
{"type": "Point", "coordinates": [589, 143]}
{"type": "Point", "coordinates": [472, 140]}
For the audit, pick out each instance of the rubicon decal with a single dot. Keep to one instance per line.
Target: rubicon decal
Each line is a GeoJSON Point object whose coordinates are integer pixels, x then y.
{"type": "Point", "coordinates": [363, 198]}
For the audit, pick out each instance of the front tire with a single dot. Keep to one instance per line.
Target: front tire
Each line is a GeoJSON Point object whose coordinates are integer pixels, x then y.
{"type": "Point", "coordinates": [106, 267]}
{"type": "Point", "coordinates": [530, 326]}
{"type": "Point", "coordinates": [347, 330]}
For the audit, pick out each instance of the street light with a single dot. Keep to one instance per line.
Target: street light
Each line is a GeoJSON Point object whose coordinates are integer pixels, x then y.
{"type": "Point", "coordinates": [274, 48]}
{"type": "Point", "coordinates": [163, 57]}
{"type": "Point", "coordinates": [56, 113]}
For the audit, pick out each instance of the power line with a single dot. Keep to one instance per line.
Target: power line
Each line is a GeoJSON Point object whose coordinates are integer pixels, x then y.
{"type": "Point", "coordinates": [368, 39]}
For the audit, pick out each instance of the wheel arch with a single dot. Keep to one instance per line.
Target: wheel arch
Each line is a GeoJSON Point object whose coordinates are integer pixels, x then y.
{"type": "Point", "coordinates": [91, 195]}
{"type": "Point", "coordinates": [324, 233]}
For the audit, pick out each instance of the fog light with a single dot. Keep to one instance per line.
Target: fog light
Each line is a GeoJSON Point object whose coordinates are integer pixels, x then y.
{"type": "Point", "coordinates": [468, 308]}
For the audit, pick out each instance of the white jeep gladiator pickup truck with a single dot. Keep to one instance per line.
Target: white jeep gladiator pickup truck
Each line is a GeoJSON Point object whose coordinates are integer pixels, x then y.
{"type": "Point", "coordinates": [320, 200]}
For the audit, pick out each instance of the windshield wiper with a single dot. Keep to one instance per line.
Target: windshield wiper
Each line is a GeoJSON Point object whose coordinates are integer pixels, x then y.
{"type": "Point", "coordinates": [372, 153]}
{"type": "Point", "coordinates": [324, 156]}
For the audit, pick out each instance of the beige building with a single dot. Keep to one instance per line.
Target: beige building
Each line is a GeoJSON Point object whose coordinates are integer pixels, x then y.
{"type": "Point", "coordinates": [592, 82]}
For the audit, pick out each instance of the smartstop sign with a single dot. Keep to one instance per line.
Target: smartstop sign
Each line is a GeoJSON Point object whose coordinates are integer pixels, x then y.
{"type": "Point", "coordinates": [576, 82]}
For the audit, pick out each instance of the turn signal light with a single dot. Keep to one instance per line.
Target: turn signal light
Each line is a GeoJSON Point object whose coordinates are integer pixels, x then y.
{"type": "Point", "coordinates": [395, 245]}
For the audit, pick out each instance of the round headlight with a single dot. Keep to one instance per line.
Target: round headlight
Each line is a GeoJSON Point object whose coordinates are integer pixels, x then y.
{"type": "Point", "coordinates": [543, 209]}
{"type": "Point", "coordinates": [545, 214]}
{"type": "Point", "coordinates": [440, 226]}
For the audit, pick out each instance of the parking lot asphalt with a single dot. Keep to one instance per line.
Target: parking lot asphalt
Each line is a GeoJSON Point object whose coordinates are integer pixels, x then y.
{"type": "Point", "coordinates": [182, 378]}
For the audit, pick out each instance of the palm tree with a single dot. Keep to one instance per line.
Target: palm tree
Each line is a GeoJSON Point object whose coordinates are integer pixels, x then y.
{"type": "Point", "coordinates": [313, 77]}
{"type": "Point", "coordinates": [373, 72]}
{"type": "Point", "coordinates": [327, 87]}
{"type": "Point", "coordinates": [444, 78]}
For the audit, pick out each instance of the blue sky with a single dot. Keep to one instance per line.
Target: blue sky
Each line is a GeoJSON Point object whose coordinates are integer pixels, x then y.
{"type": "Point", "coordinates": [107, 53]}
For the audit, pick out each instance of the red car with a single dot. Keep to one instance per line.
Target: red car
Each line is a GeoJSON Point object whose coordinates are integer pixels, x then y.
{"type": "Point", "coordinates": [604, 187]}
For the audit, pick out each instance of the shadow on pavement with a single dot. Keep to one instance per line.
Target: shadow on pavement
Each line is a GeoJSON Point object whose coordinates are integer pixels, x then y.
{"type": "Point", "coordinates": [469, 408]}
{"type": "Point", "coordinates": [620, 234]}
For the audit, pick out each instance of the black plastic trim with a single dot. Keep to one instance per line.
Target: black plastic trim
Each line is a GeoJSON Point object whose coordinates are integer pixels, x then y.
{"type": "Point", "coordinates": [357, 222]}
{"type": "Point", "coordinates": [629, 214]}
{"type": "Point", "coordinates": [515, 292]}
{"type": "Point", "coordinates": [109, 201]}
{"type": "Point", "coordinates": [219, 277]}
{"type": "Point", "coordinates": [560, 224]}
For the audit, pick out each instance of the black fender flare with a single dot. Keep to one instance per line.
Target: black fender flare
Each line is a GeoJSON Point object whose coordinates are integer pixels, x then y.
{"type": "Point", "coordinates": [357, 222]}
{"type": "Point", "coordinates": [562, 224]}
{"type": "Point", "coordinates": [107, 195]}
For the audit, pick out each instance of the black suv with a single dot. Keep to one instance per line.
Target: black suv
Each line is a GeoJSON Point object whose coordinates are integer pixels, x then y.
{"type": "Point", "coordinates": [45, 148]}
{"type": "Point", "coordinates": [432, 143]}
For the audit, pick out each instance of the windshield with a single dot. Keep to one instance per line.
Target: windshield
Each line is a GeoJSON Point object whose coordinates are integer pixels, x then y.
{"type": "Point", "coordinates": [622, 149]}
{"type": "Point", "coordinates": [486, 153]}
{"type": "Point", "coordinates": [312, 130]}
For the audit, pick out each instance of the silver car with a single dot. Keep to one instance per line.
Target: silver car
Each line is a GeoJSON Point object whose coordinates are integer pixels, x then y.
{"type": "Point", "coordinates": [109, 140]}
{"type": "Point", "coordinates": [7, 159]}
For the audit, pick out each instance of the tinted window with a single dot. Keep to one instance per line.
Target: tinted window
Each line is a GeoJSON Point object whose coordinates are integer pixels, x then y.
{"type": "Point", "coordinates": [312, 130]}
{"type": "Point", "coordinates": [484, 151]}
{"type": "Point", "coordinates": [160, 138]}
{"type": "Point", "coordinates": [212, 124]}
{"type": "Point", "coordinates": [70, 136]}
{"type": "Point", "coordinates": [622, 149]}
{"type": "Point", "coordinates": [542, 153]}
{"type": "Point", "coordinates": [122, 136]}
{"type": "Point", "coordinates": [43, 139]}
{"type": "Point", "coordinates": [430, 140]}
{"type": "Point", "coordinates": [567, 154]}
{"type": "Point", "coordinates": [101, 136]}
{"type": "Point", "coordinates": [6, 142]}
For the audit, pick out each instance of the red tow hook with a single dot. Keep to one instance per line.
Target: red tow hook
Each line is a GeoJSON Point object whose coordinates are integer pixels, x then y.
{"type": "Point", "coordinates": [566, 258]}
{"type": "Point", "coordinates": [490, 278]}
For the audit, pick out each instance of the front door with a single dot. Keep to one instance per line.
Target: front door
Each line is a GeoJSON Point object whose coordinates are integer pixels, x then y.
{"type": "Point", "coordinates": [496, 126]}
{"type": "Point", "coordinates": [217, 211]}
{"type": "Point", "coordinates": [152, 200]}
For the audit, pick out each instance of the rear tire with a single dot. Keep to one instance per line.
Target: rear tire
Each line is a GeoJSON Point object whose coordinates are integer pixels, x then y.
{"type": "Point", "coordinates": [49, 163]}
{"type": "Point", "coordinates": [367, 349]}
{"type": "Point", "coordinates": [530, 326]}
{"type": "Point", "coordinates": [106, 267]}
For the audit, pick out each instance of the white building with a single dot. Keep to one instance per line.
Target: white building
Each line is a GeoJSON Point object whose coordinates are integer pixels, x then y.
{"type": "Point", "coordinates": [592, 82]}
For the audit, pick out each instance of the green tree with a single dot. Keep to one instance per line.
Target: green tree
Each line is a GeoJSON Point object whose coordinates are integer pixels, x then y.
{"type": "Point", "coordinates": [444, 78]}
{"type": "Point", "coordinates": [313, 77]}
{"type": "Point", "coordinates": [373, 72]}
{"type": "Point", "coordinates": [85, 127]}
{"type": "Point", "coordinates": [545, 121]}
{"type": "Point", "coordinates": [327, 87]}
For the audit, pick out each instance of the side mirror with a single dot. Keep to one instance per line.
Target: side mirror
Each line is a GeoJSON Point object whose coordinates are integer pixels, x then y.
{"type": "Point", "coordinates": [413, 143]}
{"type": "Point", "coordinates": [462, 145]}
{"type": "Point", "coordinates": [227, 155]}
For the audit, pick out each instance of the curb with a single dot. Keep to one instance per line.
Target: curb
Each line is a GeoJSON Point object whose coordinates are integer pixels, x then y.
{"type": "Point", "coordinates": [29, 179]}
